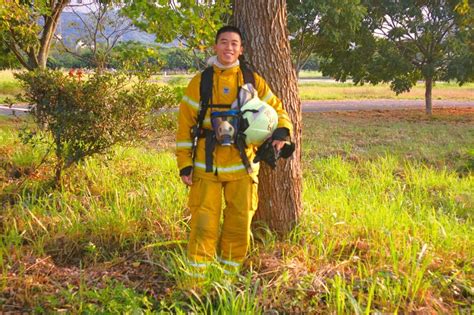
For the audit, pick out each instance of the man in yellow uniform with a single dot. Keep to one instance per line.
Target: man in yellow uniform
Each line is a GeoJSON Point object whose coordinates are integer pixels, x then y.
{"type": "Point", "coordinates": [227, 173]}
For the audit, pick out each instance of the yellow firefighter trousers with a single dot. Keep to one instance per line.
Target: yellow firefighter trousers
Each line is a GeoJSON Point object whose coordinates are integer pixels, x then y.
{"type": "Point", "coordinates": [205, 203]}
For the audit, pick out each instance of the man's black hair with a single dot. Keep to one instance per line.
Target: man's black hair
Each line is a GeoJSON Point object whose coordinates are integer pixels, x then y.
{"type": "Point", "coordinates": [228, 29]}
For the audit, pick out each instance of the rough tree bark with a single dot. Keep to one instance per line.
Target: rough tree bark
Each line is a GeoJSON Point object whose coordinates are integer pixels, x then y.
{"type": "Point", "coordinates": [266, 47]}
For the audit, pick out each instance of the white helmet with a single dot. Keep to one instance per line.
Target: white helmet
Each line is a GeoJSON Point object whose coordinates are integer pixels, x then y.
{"type": "Point", "coordinates": [259, 120]}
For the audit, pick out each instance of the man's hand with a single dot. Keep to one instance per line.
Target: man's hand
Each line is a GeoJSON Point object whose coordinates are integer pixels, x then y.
{"type": "Point", "coordinates": [278, 144]}
{"type": "Point", "coordinates": [187, 179]}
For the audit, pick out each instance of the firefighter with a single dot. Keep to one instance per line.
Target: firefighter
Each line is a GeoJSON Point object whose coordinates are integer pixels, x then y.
{"type": "Point", "coordinates": [213, 169]}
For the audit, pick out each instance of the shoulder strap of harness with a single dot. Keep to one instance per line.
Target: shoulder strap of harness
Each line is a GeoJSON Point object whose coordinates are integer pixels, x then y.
{"type": "Point", "coordinates": [248, 78]}
{"type": "Point", "coordinates": [205, 90]}
{"type": "Point", "coordinates": [247, 74]}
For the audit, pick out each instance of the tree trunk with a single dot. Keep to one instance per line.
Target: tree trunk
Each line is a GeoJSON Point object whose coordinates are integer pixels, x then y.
{"type": "Point", "coordinates": [266, 46]}
{"type": "Point", "coordinates": [428, 96]}
{"type": "Point", "coordinates": [298, 60]}
{"type": "Point", "coordinates": [35, 55]}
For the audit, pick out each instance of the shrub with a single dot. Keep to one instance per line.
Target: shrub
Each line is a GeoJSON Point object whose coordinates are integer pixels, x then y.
{"type": "Point", "coordinates": [87, 115]}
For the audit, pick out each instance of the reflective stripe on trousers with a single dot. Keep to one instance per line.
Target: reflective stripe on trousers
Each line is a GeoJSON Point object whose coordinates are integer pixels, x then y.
{"type": "Point", "coordinates": [205, 203]}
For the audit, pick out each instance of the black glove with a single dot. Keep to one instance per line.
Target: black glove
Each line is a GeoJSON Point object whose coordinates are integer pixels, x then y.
{"type": "Point", "coordinates": [185, 171]}
{"type": "Point", "coordinates": [287, 150]}
{"type": "Point", "coordinates": [266, 152]}
{"type": "Point", "coordinates": [281, 133]}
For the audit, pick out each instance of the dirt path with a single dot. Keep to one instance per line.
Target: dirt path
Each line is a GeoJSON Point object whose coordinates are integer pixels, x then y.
{"type": "Point", "coordinates": [328, 106]}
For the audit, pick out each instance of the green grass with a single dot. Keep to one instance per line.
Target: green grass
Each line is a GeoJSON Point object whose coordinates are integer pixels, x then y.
{"type": "Point", "coordinates": [387, 227]}
{"type": "Point", "coordinates": [9, 87]}
{"type": "Point", "coordinates": [310, 74]}
{"type": "Point", "coordinates": [347, 91]}
{"type": "Point", "coordinates": [6, 76]}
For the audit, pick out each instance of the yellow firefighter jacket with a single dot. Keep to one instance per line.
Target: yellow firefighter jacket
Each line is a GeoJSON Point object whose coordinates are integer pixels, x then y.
{"type": "Point", "coordinates": [227, 163]}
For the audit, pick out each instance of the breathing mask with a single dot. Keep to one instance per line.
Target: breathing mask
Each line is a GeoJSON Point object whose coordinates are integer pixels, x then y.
{"type": "Point", "coordinates": [225, 125]}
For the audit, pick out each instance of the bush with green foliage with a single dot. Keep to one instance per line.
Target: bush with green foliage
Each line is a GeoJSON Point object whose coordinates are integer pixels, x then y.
{"type": "Point", "coordinates": [58, 60]}
{"type": "Point", "coordinates": [133, 55]}
{"type": "Point", "coordinates": [84, 115]}
{"type": "Point", "coordinates": [181, 59]}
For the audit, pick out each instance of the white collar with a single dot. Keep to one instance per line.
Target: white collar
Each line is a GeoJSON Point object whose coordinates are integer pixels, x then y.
{"type": "Point", "coordinates": [212, 61]}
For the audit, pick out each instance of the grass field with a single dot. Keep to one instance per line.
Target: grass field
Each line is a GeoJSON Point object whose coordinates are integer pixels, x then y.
{"type": "Point", "coordinates": [309, 90]}
{"type": "Point", "coordinates": [310, 74]}
{"type": "Point", "coordinates": [387, 226]}
{"type": "Point", "coordinates": [347, 91]}
{"type": "Point", "coordinates": [9, 87]}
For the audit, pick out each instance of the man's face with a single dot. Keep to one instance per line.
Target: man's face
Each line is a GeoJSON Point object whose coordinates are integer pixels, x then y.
{"type": "Point", "coordinates": [228, 48]}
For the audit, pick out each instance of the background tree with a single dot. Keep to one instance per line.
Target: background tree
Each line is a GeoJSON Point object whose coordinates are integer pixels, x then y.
{"type": "Point", "coordinates": [191, 23]}
{"type": "Point", "coordinates": [401, 42]}
{"type": "Point", "coordinates": [27, 28]}
{"type": "Point", "coordinates": [312, 64]}
{"type": "Point", "coordinates": [99, 28]}
{"type": "Point", "coordinates": [263, 24]}
{"type": "Point", "coordinates": [303, 26]}
{"type": "Point", "coordinates": [59, 59]}
{"type": "Point", "coordinates": [306, 18]}
{"type": "Point", "coordinates": [140, 55]}
{"type": "Point", "coordinates": [7, 58]}
{"type": "Point", "coordinates": [178, 59]}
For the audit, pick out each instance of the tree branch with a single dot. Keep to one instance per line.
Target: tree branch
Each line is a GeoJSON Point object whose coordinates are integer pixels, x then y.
{"type": "Point", "coordinates": [49, 28]}
{"type": "Point", "coordinates": [66, 49]}
{"type": "Point", "coordinates": [84, 23]}
{"type": "Point", "coordinates": [18, 55]}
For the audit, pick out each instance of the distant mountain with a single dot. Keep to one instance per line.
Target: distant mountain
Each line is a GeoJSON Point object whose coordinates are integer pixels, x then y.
{"type": "Point", "coordinates": [71, 24]}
